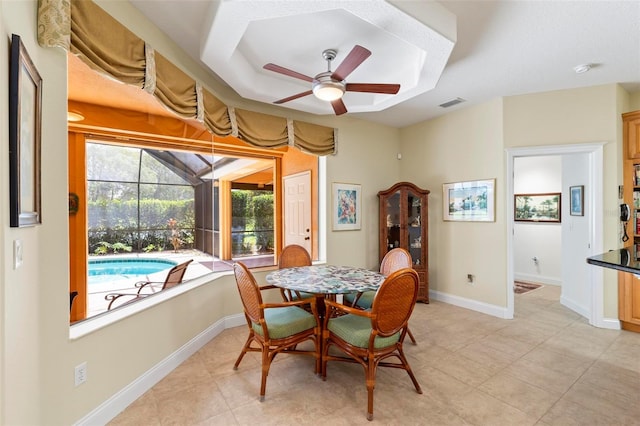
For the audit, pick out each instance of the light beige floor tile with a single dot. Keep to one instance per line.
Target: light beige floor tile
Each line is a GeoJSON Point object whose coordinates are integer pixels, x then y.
{"type": "Point", "coordinates": [572, 365]}
{"type": "Point", "coordinates": [440, 386]}
{"type": "Point", "coordinates": [624, 409]}
{"type": "Point", "coordinates": [546, 367]}
{"type": "Point", "coordinates": [491, 359]}
{"type": "Point", "coordinates": [479, 408]}
{"type": "Point", "coordinates": [227, 419]}
{"type": "Point", "coordinates": [567, 413]}
{"type": "Point", "coordinates": [540, 376]}
{"type": "Point", "coordinates": [142, 411]}
{"type": "Point", "coordinates": [519, 394]}
{"type": "Point", "coordinates": [613, 379]}
{"type": "Point", "coordinates": [192, 405]}
{"type": "Point", "coordinates": [464, 369]}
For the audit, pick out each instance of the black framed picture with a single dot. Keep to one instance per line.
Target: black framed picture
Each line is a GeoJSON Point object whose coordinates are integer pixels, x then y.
{"type": "Point", "coordinates": [25, 119]}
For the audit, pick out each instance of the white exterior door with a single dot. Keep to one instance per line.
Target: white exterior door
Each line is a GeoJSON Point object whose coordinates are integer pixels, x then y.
{"type": "Point", "coordinates": [297, 210]}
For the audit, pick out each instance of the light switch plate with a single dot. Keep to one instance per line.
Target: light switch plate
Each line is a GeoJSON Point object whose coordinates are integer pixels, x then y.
{"type": "Point", "coordinates": [17, 253]}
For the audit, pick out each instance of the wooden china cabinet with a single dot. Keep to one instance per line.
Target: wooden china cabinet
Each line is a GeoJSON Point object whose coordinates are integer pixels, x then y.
{"type": "Point", "coordinates": [404, 223]}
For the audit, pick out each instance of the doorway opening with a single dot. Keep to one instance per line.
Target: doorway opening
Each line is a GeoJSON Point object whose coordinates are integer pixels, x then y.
{"type": "Point", "coordinates": [594, 212]}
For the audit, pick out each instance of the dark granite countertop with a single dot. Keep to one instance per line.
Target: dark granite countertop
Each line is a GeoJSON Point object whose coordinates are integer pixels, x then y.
{"type": "Point", "coordinates": [622, 259]}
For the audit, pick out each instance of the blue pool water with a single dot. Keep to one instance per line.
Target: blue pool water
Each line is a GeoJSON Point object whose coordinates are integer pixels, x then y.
{"type": "Point", "coordinates": [101, 271]}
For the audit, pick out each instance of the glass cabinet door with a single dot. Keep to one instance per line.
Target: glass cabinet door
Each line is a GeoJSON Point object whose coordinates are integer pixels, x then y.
{"type": "Point", "coordinates": [393, 221]}
{"type": "Point", "coordinates": [414, 227]}
{"type": "Point", "coordinates": [403, 223]}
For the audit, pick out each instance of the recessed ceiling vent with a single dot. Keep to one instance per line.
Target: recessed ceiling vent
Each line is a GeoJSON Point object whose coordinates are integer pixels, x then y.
{"type": "Point", "coordinates": [452, 102]}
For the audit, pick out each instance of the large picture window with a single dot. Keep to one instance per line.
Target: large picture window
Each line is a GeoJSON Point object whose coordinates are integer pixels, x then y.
{"type": "Point", "coordinates": [150, 190]}
{"type": "Point", "coordinates": [151, 209]}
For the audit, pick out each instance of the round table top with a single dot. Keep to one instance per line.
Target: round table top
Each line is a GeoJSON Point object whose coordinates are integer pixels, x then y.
{"type": "Point", "coordinates": [326, 279]}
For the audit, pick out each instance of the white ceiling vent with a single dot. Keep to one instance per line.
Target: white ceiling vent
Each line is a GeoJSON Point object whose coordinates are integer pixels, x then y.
{"type": "Point", "coordinates": [452, 102]}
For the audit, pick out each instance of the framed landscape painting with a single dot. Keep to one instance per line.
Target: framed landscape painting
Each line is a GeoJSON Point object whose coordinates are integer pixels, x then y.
{"type": "Point", "coordinates": [347, 206]}
{"type": "Point", "coordinates": [537, 207]}
{"type": "Point", "coordinates": [471, 201]}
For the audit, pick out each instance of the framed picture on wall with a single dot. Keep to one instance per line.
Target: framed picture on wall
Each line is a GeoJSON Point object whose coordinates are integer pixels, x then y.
{"type": "Point", "coordinates": [25, 109]}
{"type": "Point", "coordinates": [576, 205]}
{"type": "Point", "coordinates": [470, 201]}
{"type": "Point", "coordinates": [347, 206]}
{"type": "Point", "coordinates": [537, 207]}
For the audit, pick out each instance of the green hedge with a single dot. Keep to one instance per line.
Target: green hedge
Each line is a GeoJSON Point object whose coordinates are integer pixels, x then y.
{"type": "Point", "coordinates": [252, 222]}
{"type": "Point", "coordinates": [116, 221]}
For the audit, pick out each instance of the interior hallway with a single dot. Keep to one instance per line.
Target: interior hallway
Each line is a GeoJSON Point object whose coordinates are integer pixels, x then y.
{"type": "Point", "coordinates": [548, 366]}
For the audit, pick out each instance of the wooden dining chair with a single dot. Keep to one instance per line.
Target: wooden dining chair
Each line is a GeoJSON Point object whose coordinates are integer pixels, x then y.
{"type": "Point", "coordinates": [293, 255]}
{"type": "Point", "coordinates": [275, 327]}
{"type": "Point", "coordinates": [370, 337]}
{"type": "Point", "coordinates": [394, 260]}
{"type": "Point", "coordinates": [174, 277]}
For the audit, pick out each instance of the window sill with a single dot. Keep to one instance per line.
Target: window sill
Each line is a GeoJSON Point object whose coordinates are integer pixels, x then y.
{"type": "Point", "coordinates": [90, 325]}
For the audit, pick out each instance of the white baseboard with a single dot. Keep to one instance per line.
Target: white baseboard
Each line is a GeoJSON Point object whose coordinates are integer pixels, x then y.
{"type": "Point", "coordinates": [578, 309]}
{"type": "Point", "coordinates": [474, 305]}
{"type": "Point", "coordinates": [537, 279]}
{"type": "Point", "coordinates": [113, 406]}
{"type": "Point", "coordinates": [609, 323]}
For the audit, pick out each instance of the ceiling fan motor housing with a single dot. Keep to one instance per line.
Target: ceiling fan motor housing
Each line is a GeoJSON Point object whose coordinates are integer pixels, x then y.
{"type": "Point", "coordinates": [326, 88]}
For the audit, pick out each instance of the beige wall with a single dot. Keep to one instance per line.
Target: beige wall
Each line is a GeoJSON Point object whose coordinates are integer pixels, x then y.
{"type": "Point", "coordinates": [470, 144]}
{"type": "Point", "coordinates": [36, 355]}
{"type": "Point", "coordinates": [576, 116]}
{"type": "Point", "coordinates": [634, 102]}
{"type": "Point", "coordinates": [460, 146]}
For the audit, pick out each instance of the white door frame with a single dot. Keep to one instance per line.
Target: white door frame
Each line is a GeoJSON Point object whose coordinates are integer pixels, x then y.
{"type": "Point", "coordinates": [595, 186]}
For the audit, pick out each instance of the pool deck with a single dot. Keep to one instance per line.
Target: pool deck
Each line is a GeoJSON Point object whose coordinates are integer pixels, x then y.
{"type": "Point", "coordinates": [202, 264]}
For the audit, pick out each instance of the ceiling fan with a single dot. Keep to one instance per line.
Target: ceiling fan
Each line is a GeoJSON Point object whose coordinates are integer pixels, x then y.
{"type": "Point", "coordinates": [330, 86]}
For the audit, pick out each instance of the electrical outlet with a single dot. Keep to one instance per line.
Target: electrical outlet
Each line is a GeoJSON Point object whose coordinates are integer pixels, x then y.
{"type": "Point", "coordinates": [470, 278]}
{"type": "Point", "coordinates": [81, 373]}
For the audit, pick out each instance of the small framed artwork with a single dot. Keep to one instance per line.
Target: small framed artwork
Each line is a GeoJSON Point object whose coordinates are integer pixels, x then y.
{"type": "Point", "coordinates": [537, 207]}
{"type": "Point", "coordinates": [471, 201]}
{"type": "Point", "coordinates": [576, 206]}
{"type": "Point", "coordinates": [25, 117]}
{"type": "Point", "coordinates": [347, 206]}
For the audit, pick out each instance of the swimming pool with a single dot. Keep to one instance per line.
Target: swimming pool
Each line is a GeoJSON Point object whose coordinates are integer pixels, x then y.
{"type": "Point", "coordinates": [104, 270]}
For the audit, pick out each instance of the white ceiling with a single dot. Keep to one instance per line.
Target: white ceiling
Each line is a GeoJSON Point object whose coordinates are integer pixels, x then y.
{"type": "Point", "coordinates": [502, 48]}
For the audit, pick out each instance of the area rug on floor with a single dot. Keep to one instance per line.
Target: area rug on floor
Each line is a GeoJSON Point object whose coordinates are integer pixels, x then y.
{"type": "Point", "coordinates": [520, 287]}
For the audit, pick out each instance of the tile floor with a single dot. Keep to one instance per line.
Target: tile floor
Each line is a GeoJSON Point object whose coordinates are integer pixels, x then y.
{"type": "Point", "coordinates": [548, 366]}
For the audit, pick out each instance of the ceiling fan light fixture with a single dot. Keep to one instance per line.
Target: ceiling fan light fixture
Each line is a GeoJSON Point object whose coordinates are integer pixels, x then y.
{"type": "Point", "coordinates": [327, 89]}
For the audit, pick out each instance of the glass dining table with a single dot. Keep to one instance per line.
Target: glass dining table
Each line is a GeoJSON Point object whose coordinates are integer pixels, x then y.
{"type": "Point", "coordinates": [326, 280]}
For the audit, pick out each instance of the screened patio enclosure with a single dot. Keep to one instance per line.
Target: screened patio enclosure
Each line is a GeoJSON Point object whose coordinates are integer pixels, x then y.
{"type": "Point", "coordinates": [146, 200]}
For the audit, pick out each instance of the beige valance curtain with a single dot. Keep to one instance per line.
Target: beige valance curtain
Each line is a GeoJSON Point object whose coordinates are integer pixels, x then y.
{"type": "Point", "coordinates": [272, 130]}
{"type": "Point", "coordinates": [105, 45]}
{"type": "Point", "coordinates": [175, 89]}
{"type": "Point", "coordinates": [110, 48]}
{"type": "Point", "coordinates": [315, 139]}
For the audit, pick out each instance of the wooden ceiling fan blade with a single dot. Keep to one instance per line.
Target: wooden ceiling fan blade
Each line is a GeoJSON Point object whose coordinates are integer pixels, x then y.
{"type": "Point", "coordinates": [296, 96]}
{"type": "Point", "coordinates": [390, 89]}
{"type": "Point", "coordinates": [339, 106]}
{"type": "Point", "coordinates": [357, 56]}
{"type": "Point", "coordinates": [287, 72]}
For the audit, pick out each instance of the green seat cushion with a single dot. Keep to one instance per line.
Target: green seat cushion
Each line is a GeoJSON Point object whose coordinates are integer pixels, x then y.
{"type": "Point", "coordinates": [356, 330]}
{"type": "Point", "coordinates": [285, 322]}
{"type": "Point", "coordinates": [365, 301]}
